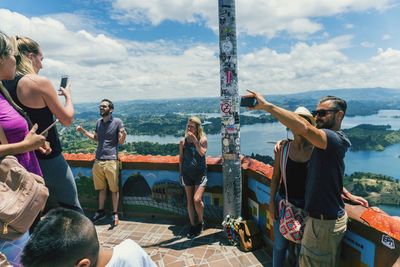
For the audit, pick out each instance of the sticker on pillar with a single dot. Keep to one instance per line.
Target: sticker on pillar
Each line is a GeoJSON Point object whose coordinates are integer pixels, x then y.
{"type": "Point", "coordinates": [222, 20]}
{"type": "Point", "coordinates": [231, 129]}
{"type": "Point", "coordinates": [237, 141]}
{"type": "Point", "coordinates": [225, 142]}
{"type": "Point", "coordinates": [229, 156]}
{"type": "Point", "coordinates": [223, 57]}
{"type": "Point", "coordinates": [223, 131]}
{"type": "Point", "coordinates": [228, 76]}
{"type": "Point", "coordinates": [236, 117]}
{"type": "Point", "coordinates": [227, 46]}
{"type": "Point", "coordinates": [225, 121]}
{"type": "Point", "coordinates": [226, 106]}
{"type": "Point", "coordinates": [231, 121]}
{"type": "Point", "coordinates": [388, 241]}
{"type": "Point", "coordinates": [226, 89]}
{"type": "Point", "coordinates": [235, 102]}
{"type": "Point", "coordinates": [228, 32]}
{"type": "Point", "coordinates": [226, 149]}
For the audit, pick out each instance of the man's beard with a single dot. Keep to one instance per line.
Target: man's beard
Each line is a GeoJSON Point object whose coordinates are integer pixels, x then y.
{"type": "Point", "coordinates": [325, 125]}
{"type": "Point", "coordinates": [105, 113]}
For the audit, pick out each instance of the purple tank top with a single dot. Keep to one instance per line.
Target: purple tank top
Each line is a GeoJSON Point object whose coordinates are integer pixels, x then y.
{"type": "Point", "coordinates": [15, 128]}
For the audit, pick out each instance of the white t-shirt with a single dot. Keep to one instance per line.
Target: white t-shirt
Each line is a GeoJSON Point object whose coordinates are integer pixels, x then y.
{"type": "Point", "coordinates": [129, 254]}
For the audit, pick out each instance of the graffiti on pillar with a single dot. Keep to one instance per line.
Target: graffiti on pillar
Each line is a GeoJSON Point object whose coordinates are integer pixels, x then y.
{"type": "Point", "coordinates": [229, 107]}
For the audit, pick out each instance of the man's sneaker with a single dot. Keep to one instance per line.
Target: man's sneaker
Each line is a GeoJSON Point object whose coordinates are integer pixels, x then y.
{"type": "Point", "coordinates": [99, 215]}
{"type": "Point", "coordinates": [114, 219]}
{"type": "Point", "coordinates": [191, 232]}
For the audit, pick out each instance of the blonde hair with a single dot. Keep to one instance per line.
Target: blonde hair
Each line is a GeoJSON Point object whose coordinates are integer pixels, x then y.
{"type": "Point", "coordinates": [5, 45]}
{"type": "Point", "coordinates": [199, 129]}
{"type": "Point", "coordinates": [26, 46]}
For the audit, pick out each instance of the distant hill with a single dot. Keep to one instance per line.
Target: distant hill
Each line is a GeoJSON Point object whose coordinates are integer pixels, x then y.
{"type": "Point", "coordinates": [372, 137]}
{"type": "Point", "coordinates": [376, 188]}
{"type": "Point", "coordinates": [358, 94]}
{"type": "Point", "coordinates": [362, 101]}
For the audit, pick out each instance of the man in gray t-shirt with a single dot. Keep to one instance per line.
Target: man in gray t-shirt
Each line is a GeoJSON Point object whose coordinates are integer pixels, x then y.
{"type": "Point", "coordinates": [108, 134]}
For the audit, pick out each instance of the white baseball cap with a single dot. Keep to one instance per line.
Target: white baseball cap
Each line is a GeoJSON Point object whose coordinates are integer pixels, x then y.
{"type": "Point", "coordinates": [302, 111]}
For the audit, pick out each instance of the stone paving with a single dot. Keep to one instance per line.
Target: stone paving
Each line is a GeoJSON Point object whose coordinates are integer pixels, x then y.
{"type": "Point", "coordinates": [168, 246]}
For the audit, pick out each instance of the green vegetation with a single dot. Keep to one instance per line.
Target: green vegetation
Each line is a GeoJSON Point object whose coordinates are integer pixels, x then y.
{"type": "Point", "coordinates": [372, 137]}
{"type": "Point", "coordinates": [376, 188]}
{"type": "Point", "coordinates": [149, 148]}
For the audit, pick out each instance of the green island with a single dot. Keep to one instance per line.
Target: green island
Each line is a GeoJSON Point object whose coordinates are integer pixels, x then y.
{"type": "Point", "coordinates": [378, 189]}
{"type": "Point", "coordinates": [372, 137]}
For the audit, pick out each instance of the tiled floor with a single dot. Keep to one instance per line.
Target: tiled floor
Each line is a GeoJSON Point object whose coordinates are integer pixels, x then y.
{"type": "Point", "coordinates": [168, 246]}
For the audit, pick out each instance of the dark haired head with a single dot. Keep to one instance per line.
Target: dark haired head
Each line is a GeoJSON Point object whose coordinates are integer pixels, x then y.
{"type": "Point", "coordinates": [62, 238]}
{"type": "Point", "coordinates": [339, 103]}
{"type": "Point", "coordinates": [110, 103]}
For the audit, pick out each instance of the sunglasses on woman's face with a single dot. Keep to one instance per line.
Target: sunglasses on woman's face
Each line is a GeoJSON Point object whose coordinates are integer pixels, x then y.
{"type": "Point", "coordinates": [323, 112]}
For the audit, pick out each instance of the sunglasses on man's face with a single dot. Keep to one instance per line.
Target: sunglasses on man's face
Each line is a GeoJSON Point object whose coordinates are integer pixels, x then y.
{"type": "Point", "coordinates": [323, 112]}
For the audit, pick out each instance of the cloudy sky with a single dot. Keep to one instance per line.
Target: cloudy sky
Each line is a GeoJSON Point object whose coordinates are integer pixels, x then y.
{"type": "Point", "coordinates": [146, 49]}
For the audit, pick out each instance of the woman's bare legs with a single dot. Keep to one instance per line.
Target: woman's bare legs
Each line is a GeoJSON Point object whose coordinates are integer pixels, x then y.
{"type": "Point", "coordinates": [198, 202]}
{"type": "Point", "coordinates": [190, 205]}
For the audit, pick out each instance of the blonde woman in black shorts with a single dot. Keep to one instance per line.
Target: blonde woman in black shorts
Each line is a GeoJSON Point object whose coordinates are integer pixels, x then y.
{"type": "Point", "coordinates": [193, 172]}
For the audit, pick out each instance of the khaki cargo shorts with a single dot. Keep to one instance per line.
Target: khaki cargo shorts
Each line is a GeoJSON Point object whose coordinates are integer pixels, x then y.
{"type": "Point", "coordinates": [106, 172]}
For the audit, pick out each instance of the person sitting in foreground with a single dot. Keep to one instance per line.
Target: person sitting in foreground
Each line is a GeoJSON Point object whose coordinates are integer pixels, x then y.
{"type": "Point", "coordinates": [67, 238]}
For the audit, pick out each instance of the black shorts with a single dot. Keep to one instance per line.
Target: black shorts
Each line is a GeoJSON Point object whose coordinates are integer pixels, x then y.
{"type": "Point", "coordinates": [194, 180]}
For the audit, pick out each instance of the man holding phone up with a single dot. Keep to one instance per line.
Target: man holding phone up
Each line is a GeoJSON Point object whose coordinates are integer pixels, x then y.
{"type": "Point", "coordinates": [324, 189]}
{"type": "Point", "coordinates": [108, 134]}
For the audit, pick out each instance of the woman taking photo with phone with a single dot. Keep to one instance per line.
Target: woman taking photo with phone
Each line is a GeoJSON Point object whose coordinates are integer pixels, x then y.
{"type": "Point", "coordinates": [193, 172]}
{"type": "Point", "coordinates": [15, 137]}
{"type": "Point", "coordinates": [38, 98]}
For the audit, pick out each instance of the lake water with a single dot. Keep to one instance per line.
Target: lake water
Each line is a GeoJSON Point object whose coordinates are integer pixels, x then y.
{"type": "Point", "coordinates": [391, 209]}
{"type": "Point", "coordinates": [261, 138]}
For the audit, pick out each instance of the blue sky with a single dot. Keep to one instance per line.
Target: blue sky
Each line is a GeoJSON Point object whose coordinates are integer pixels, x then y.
{"type": "Point", "coordinates": [135, 49]}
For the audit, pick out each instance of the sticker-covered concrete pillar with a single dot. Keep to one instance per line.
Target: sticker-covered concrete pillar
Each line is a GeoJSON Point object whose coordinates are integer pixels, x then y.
{"type": "Point", "coordinates": [230, 126]}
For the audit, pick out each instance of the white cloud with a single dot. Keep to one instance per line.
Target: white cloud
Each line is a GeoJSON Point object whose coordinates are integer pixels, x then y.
{"type": "Point", "coordinates": [386, 37]}
{"type": "Point", "coordinates": [367, 44]}
{"type": "Point", "coordinates": [321, 66]}
{"type": "Point", "coordinates": [104, 67]}
{"type": "Point", "coordinates": [349, 26]}
{"type": "Point", "coordinates": [254, 17]}
{"type": "Point", "coordinates": [61, 43]}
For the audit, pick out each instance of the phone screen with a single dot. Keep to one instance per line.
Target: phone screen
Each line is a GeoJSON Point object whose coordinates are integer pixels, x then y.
{"type": "Point", "coordinates": [248, 102]}
{"type": "Point", "coordinates": [64, 81]}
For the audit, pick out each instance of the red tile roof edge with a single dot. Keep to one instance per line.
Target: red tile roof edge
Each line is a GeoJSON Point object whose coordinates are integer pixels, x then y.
{"type": "Point", "coordinates": [247, 162]}
{"type": "Point", "coordinates": [378, 219]}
